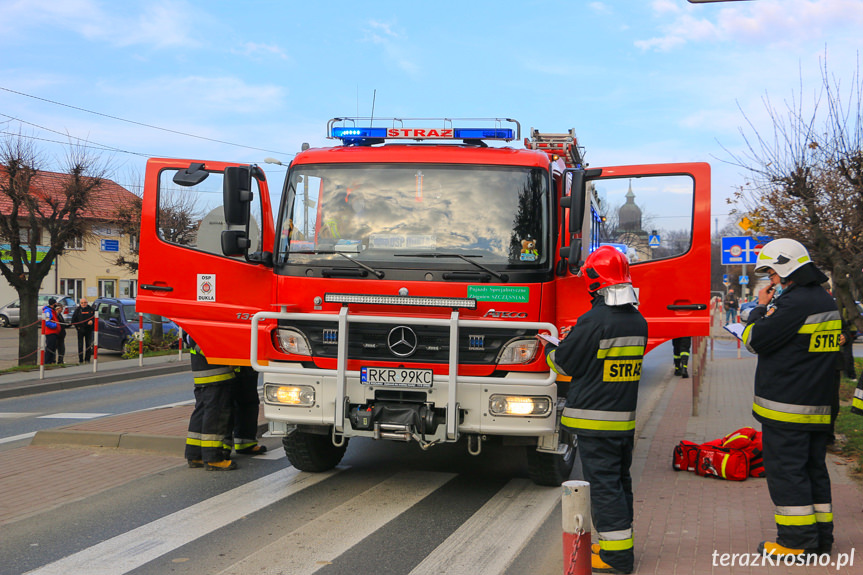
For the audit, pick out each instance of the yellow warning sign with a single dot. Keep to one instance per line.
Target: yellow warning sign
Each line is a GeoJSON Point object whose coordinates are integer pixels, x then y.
{"type": "Point", "coordinates": [745, 223]}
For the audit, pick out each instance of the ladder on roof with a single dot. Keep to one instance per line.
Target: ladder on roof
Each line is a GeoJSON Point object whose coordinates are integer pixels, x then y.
{"type": "Point", "coordinates": [564, 145]}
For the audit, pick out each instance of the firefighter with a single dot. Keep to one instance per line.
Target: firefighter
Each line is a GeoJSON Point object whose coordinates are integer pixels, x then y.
{"type": "Point", "coordinates": [245, 408]}
{"type": "Point", "coordinates": [603, 354]}
{"type": "Point", "coordinates": [681, 347]}
{"type": "Point", "coordinates": [209, 436]}
{"type": "Point", "coordinates": [795, 330]}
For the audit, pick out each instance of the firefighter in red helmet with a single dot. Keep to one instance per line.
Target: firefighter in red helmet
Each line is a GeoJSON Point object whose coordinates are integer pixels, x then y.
{"type": "Point", "coordinates": [603, 354]}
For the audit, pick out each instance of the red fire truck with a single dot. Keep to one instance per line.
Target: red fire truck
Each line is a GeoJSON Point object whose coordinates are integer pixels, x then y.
{"type": "Point", "coordinates": [397, 290]}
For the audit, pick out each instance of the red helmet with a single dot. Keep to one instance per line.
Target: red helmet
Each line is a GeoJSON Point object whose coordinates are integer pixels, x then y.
{"type": "Point", "coordinates": [606, 266]}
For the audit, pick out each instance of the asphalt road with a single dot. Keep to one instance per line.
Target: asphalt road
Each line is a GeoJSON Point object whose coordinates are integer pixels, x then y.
{"type": "Point", "coordinates": [389, 508]}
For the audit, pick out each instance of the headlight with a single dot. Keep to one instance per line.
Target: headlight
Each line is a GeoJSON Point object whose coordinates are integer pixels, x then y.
{"type": "Point", "coordinates": [518, 351]}
{"type": "Point", "coordinates": [291, 341]}
{"type": "Point", "coordinates": [522, 405]}
{"type": "Point", "coordinates": [299, 395]}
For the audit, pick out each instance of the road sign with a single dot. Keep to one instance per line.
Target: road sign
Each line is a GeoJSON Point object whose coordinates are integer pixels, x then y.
{"type": "Point", "coordinates": [653, 241]}
{"type": "Point", "coordinates": [744, 280]}
{"type": "Point", "coordinates": [742, 250]}
{"type": "Point", "coordinates": [725, 279]}
{"type": "Point", "coordinates": [110, 246]}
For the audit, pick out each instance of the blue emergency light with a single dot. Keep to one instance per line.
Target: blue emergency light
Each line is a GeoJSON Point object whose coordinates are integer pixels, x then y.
{"type": "Point", "coordinates": [365, 135]}
{"type": "Point", "coordinates": [358, 133]}
{"type": "Point", "coordinates": [484, 134]}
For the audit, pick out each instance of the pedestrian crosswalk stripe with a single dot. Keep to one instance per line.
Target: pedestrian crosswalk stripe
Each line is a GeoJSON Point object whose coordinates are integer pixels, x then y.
{"type": "Point", "coordinates": [493, 537]}
{"type": "Point", "coordinates": [73, 415]}
{"type": "Point", "coordinates": [15, 414]}
{"type": "Point", "coordinates": [134, 548]}
{"type": "Point", "coordinates": [318, 542]}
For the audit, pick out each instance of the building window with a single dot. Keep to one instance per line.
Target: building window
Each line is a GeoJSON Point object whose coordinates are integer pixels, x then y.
{"type": "Point", "coordinates": [75, 244]}
{"type": "Point", "coordinates": [104, 231]}
{"type": "Point", "coordinates": [134, 245]}
{"type": "Point", "coordinates": [129, 288]}
{"type": "Point", "coordinates": [72, 287]}
{"type": "Point", "coordinates": [107, 288]}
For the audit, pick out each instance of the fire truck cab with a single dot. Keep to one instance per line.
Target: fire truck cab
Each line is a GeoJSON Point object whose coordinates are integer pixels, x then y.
{"type": "Point", "coordinates": [396, 290]}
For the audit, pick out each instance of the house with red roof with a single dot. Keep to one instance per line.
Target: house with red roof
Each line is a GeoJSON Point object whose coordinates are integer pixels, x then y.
{"type": "Point", "coordinates": [88, 265]}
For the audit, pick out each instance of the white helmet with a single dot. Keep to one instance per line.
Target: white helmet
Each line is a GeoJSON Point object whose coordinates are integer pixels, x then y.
{"type": "Point", "coordinates": [783, 256]}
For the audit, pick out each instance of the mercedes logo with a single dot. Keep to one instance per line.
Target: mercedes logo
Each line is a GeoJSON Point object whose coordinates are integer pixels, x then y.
{"type": "Point", "coordinates": [402, 341]}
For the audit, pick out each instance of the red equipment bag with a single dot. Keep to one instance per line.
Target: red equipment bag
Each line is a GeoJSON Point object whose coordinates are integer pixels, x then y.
{"type": "Point", "coordinates": [685, 456]}
{"type": "Point", "coordinates": [722, 462]}
{"type": "Point", "coordinates": [756, 459]}
{"type": "Point", "coordinates": [740, 439]}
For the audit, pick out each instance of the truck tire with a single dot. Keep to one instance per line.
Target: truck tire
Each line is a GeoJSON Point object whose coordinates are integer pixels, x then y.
{"type": "Point", "coordinates": [311, 452]}
{"type": "Point", "coordinates": [550, 468]}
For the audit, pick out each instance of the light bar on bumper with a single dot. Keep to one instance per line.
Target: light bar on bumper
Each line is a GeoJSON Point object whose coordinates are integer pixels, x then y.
{"type": "Point", "coordinates": [451, 302]}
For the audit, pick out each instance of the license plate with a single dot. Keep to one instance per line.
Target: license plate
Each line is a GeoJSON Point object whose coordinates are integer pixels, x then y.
{"type": "Point", "coordinates": [396, 376]}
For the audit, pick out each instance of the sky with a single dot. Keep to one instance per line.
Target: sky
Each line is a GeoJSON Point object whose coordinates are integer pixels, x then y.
{"type": "Point", "coordinates": [640, 81]}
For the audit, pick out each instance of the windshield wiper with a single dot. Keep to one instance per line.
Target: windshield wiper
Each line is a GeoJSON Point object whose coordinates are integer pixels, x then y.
{"type": "Point", "coordinates": [502, 277]}
{"type": "Point", "coordinates": [379, 274]}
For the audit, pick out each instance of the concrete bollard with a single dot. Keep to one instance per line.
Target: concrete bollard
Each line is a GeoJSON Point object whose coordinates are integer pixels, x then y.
{"type": "Point", "coordinates": [575, 504]}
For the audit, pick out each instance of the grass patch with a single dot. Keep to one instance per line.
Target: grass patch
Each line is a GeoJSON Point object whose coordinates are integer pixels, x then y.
{"type": "Point", "coordinates": [850, 424]}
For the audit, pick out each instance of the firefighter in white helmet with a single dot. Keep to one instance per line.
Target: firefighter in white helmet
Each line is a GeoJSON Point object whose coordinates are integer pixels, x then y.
{"type": "Point", "coordinates": [795, 330]}
{"type": "Point", "coordinates": [603, 354]}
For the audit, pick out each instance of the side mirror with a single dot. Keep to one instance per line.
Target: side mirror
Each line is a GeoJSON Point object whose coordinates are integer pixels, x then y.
{"type": "Point", "coordinates": [237, 195]}
{"type": "Point", "coordinates": [235, 242]}
{"type": "Point", "coordinates": [191, 176]}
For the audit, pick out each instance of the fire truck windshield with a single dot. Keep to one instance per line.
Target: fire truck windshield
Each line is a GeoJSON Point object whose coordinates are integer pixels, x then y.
{"type": "Point", "coordinates": [396, 215]}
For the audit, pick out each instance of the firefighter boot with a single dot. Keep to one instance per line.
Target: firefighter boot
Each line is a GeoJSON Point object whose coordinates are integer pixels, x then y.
{"type": "Point", "coordinates": [676, 366]}
{"type": "Point", "coordinates": [195, 463]}
{"type": "Point", "coordinates": [224, 465]}
{"type": "Point", "coordinates": [597, 565]}
{"type": "Point", "coordinates": [256, 449]}
{"type": "Point", "coordinates": [775, 550]}
{"type": "Point", "coordinates": [684, 373]}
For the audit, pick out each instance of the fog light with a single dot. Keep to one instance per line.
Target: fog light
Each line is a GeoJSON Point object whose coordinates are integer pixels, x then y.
{"type": "Point", "coordinates": [519, 405]}
{"type": "Point", "coordinates": [299, 395]}
{"type": "Point", "coordinates": [518, 351]}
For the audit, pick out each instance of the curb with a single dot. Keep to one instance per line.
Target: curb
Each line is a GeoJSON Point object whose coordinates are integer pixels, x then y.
{"type": "Point", "coordinates": [165, 444]}
{"type": "Point", "coordinates": [32, 387]}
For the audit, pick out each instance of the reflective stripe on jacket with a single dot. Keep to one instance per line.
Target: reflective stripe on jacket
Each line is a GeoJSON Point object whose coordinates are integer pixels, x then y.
{"type": "Point", "coordinates": [796, 346]}
{"type": "Point", "coordinates": [203, 372]}
{"type": "Point", "coordinates": [603, 354]}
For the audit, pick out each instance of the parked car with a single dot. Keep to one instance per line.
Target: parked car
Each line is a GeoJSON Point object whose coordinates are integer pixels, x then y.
{"type": "Point", "coordinates": [118, 322]}
{"type": "Point", "coordinates": [10, 314]}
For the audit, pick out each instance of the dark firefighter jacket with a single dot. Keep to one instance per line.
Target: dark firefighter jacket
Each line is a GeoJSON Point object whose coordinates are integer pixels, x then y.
{"type": "Point", "coordinates": [202, 371]}
{"type": "Point", "coordinates": [796, 346]}
{"type": "Point", "coordinates": [603, 354]}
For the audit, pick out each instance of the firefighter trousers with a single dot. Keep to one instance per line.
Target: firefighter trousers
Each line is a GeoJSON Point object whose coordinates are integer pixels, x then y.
{"type": "Point", "coordinates": [799, 485]}
{"type": "Point", "coordinates": [681, 346]}
{"type": "Point", "coordinates": [605, 462]}
{"type": "Point", "coordinates": [246, 405]}
{"type": "Point", "coordinates": [209, 426]}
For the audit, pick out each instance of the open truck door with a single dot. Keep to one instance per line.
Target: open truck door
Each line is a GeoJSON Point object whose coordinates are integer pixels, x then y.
{"type": "Point", "coordinates": [200, 264]}
{"type": "Point", "coordinates": [659, 216]}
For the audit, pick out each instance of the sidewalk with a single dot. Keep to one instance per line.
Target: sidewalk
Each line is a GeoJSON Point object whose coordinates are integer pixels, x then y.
{"type": "Point", "coordinates": [681, 519]}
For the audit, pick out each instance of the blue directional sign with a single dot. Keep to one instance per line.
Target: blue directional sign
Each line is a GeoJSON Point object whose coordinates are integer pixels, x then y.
{"type": "Point", "coordinates": [742, 250]}
{"type": "Point", "coordinates": [653, 241]}
{"type": "Point", "coordinates": [110, 245]}
{"type": "Point", "coordinates": [744, 280]}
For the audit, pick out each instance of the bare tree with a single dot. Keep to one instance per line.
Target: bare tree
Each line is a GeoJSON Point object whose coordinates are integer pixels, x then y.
{"type": "Point", "coordinates": [32, 204]}
{"type": "Point", "coordinates": [806, 180]}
